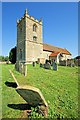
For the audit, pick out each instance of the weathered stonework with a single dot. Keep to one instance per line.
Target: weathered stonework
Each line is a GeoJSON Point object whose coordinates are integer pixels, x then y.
{"type": "Point", "coordinates": [31, 49]}
{"type": "Point", "coordinates": [28, 48]}
{"type": "Point", "coordinates": [30, 42]}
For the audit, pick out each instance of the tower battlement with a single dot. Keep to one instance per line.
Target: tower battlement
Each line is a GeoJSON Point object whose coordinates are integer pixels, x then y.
{"type": "Point", "coordinates": [30, 17]}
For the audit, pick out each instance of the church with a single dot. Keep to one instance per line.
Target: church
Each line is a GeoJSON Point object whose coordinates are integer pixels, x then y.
{"type": "Point", "coordinates": [30, 46]}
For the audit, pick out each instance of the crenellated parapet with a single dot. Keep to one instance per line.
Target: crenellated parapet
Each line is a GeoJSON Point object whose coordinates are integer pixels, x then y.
{"type": "Point", "coordinates": [30, 17]}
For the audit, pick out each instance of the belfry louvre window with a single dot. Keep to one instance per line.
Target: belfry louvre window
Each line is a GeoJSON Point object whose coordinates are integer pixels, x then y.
{"type": "Point", "coordinates": [35, 27]}
{"type": "Point", "coordinates": [34, 38]}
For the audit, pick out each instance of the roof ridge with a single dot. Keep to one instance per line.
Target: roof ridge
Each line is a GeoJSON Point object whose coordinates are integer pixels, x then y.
{"type": "Point", "coordinates": [47, 47]}
{"type": "Point", "coordinates": [54, 46]}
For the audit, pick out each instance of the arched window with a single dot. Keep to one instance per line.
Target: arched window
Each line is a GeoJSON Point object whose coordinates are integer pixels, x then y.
{"type": "Point", "coordinates": [34, 38]}
{"type": "Point", "coordinates": [35, 27]}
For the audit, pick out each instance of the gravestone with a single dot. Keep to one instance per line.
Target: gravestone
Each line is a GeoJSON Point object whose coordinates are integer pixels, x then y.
{"type": "Point", "coordinates": [55, 66]}
{"type": "Point", "coordinates": [41, 65]}
{"type": "Point", "coordinates": [72, 64]}
{"type": "Point", "coordinates": [21, 67]}
{"type": "Point", "coordinates": [33, 64]}
{"type": "Point", "coordinates": [47, 65]}
{"type": "Point", "coordinates": [34, 97]}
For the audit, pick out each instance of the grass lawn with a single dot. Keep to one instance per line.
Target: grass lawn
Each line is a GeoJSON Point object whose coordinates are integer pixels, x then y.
{"type": "Point", "coordinates": [60, 89]}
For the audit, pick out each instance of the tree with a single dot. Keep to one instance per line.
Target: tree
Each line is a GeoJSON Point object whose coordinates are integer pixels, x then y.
{"type": "Point", "coordinates": [12, 55]}
{"type": "Point", "coordinates": [1, 58]}
{"type": "Point", "coordinates": [6, 58]}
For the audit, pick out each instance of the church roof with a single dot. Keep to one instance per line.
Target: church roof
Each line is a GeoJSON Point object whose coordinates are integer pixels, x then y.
{"type": "Point", "coordinates": [47, 47]}
{"type": "Point", "coordinates": [54, 54]}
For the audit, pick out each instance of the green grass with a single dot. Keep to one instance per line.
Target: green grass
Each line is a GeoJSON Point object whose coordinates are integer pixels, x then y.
{"type": "Point", "coordinates": [60, 89]}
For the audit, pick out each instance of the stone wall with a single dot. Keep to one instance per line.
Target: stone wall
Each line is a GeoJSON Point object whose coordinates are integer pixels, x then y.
{"type": "Point", "coordinates": [46, 54]}
{"type": "Point", "coordinates": [34, 51]}
{"type": "Point", "coordinates": [21, 37]}
{"type": "Point", "coordinates": [28, 49]}
{"type": "Point", "coordinates": [68, 63]}
{"type": "Point", "coordinates": [34, 47]}
{"type": "Point", "coordinates": [29, 30]}
{"type": "Point", "coordinates": [65, 57]}
{"type": "Point", "coordinates": [41, 60]}
{"type": "Point", "coordinates": [56, 58]}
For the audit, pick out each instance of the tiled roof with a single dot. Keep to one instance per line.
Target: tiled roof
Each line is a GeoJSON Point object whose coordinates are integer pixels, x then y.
{"type": "Point", "coordinates": [54, 54]}
{"type": "Point", "coordinates": [47, 47]}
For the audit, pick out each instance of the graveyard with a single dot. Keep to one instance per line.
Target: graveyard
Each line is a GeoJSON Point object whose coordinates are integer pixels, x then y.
{"type": "Point", "coordinates": [59, 88]}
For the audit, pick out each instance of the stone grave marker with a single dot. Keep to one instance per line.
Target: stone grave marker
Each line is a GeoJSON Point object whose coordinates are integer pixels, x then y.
{"type": "Point", "coordinates": [34, 64]}
{"type": "Point", "coordinates": [55, 66]}
{"type": "Point", "coordinates": [34, 97]}
{"type": "Point", "coordinates": [41, 65]}
{"type": "Point", "coordinates": [47, 65]}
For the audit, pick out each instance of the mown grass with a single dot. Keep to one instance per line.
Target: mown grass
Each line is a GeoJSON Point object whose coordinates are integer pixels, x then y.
{"type": "Point", "coordinates": [60, 89]}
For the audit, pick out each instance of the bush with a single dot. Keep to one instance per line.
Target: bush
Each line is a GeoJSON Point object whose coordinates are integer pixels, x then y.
{"type": "Point", "coordinates": [4, 58]}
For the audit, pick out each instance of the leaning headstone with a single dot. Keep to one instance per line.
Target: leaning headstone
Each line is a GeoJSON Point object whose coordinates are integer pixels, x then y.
{"type": "Point", "coordinates": [33, 97]}
{"type": "Point", "coordinates": [55, 66]}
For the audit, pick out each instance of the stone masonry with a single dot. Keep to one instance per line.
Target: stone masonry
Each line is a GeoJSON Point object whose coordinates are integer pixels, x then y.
{"type": "Point", "coordinates": [29, 40]}
{"type": "Point", "coordinates": [30, 47]}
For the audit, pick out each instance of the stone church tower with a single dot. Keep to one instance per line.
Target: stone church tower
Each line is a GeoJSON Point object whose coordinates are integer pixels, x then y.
{"type": "Point", "coordinates": [29, 39]}
{"type": "Point", "coordinates": [30, 46]}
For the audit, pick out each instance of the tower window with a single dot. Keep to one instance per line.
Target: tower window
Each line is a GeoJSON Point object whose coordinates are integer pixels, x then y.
{"type": "Point", "coordinates": [35, 27]}
{"type": "Point", "coordinates": [20, 53]}
{"type": "Point", "coordinates": [34, 38]}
